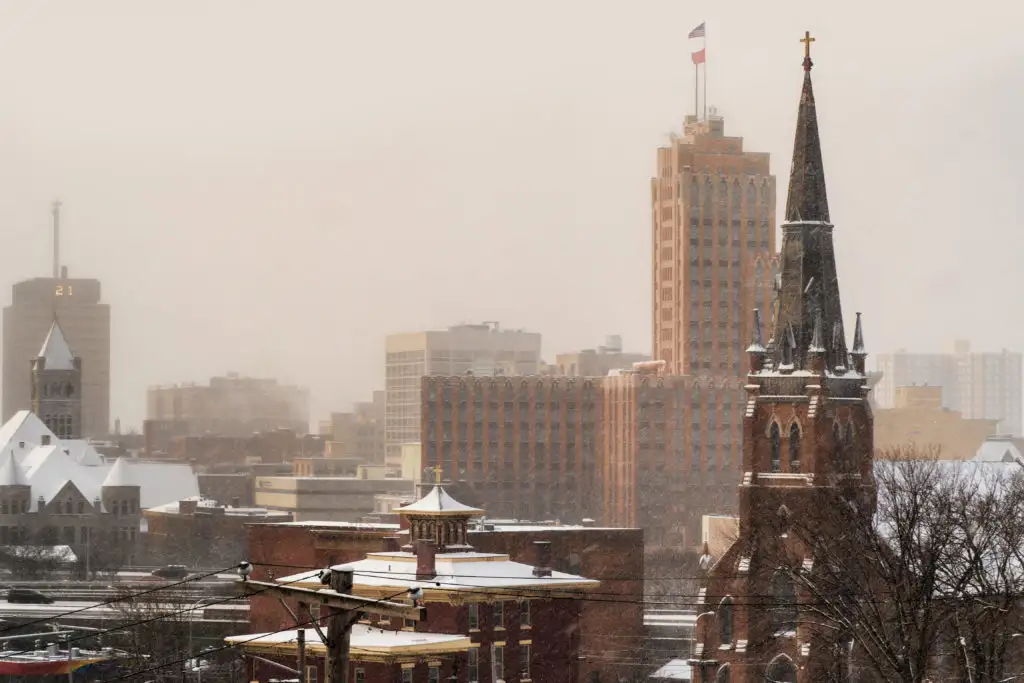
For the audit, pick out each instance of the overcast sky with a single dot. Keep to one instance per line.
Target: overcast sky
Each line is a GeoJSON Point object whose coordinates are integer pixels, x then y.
{"type": "Point", "coordinates": [272, 187]}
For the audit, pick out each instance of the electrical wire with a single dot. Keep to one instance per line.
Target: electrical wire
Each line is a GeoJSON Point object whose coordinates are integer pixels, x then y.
{"type": "Point", "coordinates": [113, 601]}
{"type": "Point", "coordinates": [241, 643]}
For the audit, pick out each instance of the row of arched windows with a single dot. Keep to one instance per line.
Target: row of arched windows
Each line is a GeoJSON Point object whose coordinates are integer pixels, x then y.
{"type": "Point", "coordinates": [783, 615]}
{"type": "Point", "coordinates": [58, 390]}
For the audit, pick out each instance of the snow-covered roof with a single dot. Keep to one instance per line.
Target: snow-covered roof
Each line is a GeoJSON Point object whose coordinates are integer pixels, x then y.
{"type": "Point", "coordinates": [23, 432]}
{"type": "Point", "coordinates": [56, 351]}
{"type": "Point", "coordinates": [365, 640]}
{"type": "Point", "coordinates": [174, 508]}
{"type": "Point", "coordinates": [999, 448]}
{"type": "Point", "coordinates": [49, 468]}
{"type": "Point", "coordinates": [438, 502]}
{"type": "Point", "coordinates": [468, 571]}
{"type": "Point", "coordinates": [674, 670]}
{"type": "Point", "coordinates": [10, 473]}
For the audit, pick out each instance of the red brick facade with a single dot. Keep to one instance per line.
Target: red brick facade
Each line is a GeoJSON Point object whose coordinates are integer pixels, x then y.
{"type": "Point", "coordinates": [610, 628]}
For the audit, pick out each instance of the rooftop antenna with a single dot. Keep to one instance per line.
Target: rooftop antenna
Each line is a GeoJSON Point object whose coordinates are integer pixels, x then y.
{"type": "Point", "coordinates": [56, 239]}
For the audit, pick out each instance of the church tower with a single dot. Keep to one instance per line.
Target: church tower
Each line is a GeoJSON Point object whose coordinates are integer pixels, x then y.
{"type": "Point", "coordinates": [807, 447]}
{"type": "Point", "coordinates": [57, 385]}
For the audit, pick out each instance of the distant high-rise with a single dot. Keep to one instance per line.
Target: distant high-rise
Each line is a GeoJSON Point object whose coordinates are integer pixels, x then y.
{"type": "Point", "coordinates": [483, 349]}
{"type": "Point", "coordinates": [713, 221]}
{"type": "Point", "coordinates": [75, 304]}
{"type": "Point", "coordinates": [981, 386]}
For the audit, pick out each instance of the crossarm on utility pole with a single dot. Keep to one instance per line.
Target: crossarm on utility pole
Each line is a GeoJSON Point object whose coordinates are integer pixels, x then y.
{"type": "Point", "coordinates": [332, 598]}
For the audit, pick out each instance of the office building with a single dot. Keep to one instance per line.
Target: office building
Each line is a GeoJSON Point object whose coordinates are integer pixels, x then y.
{"type": "Point", "coordinates": [980, 386]}
{"type": "Point", "coordinates": [232, 406]}
{"type": "Point", "coordinates": [483, 349]}
{"type": "Point", "coordinates": [85, 322]}
{"type": "Point", "coordinates": [713, 220]}
{"type": "Point", "coordinates": [357, 434]}
{"type": "Point", "coordinates": [596, 362]}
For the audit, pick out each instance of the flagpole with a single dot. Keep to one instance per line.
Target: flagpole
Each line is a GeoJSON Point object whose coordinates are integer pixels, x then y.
{"type": "Point", "coordinates": [696, 91]}
{"type": "Point", "coordinates": [705, 72]}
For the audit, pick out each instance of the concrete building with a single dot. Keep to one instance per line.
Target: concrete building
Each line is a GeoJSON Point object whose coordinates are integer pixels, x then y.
{"type": "Point", "coordinates": [986, 385]}
{"type": "Point", "coordinates": [326, 498]}
{"type": "Point", "coordinates": [523, 447]}
{"type": "Point", "coordinates": [918, 418]}
{"type": "Point", "coordinates": [358, 434]}
{"type": "Point", "coordinates": [597, 362]}
{"type": "Point", "coordinates": [713, 222]}
{"type": "Point", "coordinates": [85, 324]}
{"type": "Point", "coordinates": [231, 406]}
{"type": "Point", "coordinates": [483, 349]}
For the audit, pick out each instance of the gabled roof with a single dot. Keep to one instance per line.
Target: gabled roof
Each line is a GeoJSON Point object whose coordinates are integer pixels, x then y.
{"type": "Point", "coordinates": [999, 448]}
{"type": "Point", "coordinates": [23, 427]}
{"type": "Point", "coordinates": [56, 351]}
{"type": "Point", "coordinates": [10, 473]}
{"type": "Point", "coordinates": [438, 502]}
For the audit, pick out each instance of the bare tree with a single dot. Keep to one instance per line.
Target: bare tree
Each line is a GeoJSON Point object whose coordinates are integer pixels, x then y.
{"type": "Point", "coordinates": [919, 581]}
{"type": "Point", "coordinates": [155, 626]}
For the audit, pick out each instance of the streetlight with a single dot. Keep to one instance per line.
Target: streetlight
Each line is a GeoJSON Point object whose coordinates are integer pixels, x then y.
{"type": "Point", "coordinates": [191, 616]}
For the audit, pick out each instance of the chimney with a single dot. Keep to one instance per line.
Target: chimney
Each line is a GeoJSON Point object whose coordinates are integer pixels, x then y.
{"type": "Point", "coordinates": [542, 558]}
{"type": "Point", "coordinates": [390, 544]}
{"type": "Point", "coordinates": [46, 440]}
{"type": "Point", "coordinates": [425, 553]}
{"type": "Point", "coordinates": [236, 502]}
{"type": "Point", "coordinates": [187, 507]}
{"type": "Point", "coordinates": [403, 521]}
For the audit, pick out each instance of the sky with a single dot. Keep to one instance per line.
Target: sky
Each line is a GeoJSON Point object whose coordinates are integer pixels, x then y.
{"type": "Point", "coordinates": [271, 188]}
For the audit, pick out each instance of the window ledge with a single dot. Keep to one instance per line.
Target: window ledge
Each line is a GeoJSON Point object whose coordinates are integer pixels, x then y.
{"type": "Point", "coordinates": [725, 646]}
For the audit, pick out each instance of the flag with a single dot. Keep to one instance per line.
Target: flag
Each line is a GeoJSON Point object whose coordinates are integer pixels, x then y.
{"type": "Point", "coordinates": [698, 56]}
{"type": "Point", "coordinates": [698, 32]}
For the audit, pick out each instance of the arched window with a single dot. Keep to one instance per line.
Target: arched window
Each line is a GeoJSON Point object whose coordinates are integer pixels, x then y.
{"type": "Point", "coordinates": [736, 192]}
{"type": "Point", "coordinates": [784, 595]}
{"type": "Point", "coordinates": [794, 448]}
{"type": "Point", "coordinates": [837, 439]}
{"type": "Point", "coordinates": [725, 621]}
{"type": "Point", "coordinates": [708, 190]}
{"type": "Point", "coordinates": [781, 670]}
{"type": "Point", "coordinates": [723, 190]}
{"type": "Point", "coordinates": [849, 434]}
{"type": "Point", "coordinates": [69, 390]}
{"type": "Point", "coordinates": [723, 674]}
{"type": "Point", "coordinates": [751, 194]}
{"type": "Point", "coordinates": [46, 390]}
{"type": "Point", "coordinates": [776, 439]}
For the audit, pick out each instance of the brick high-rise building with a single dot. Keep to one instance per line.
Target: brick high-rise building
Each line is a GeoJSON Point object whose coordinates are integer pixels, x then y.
{"type": "Point", "coordinates": [713, 244]}
{"type": "Point", "coordinates": [808, 445]}
{"type": "Point", "coordinates": [524, 447]}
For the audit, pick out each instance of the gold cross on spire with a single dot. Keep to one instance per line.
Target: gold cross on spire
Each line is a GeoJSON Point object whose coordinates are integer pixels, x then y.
{"type": "Point", "coordinates": [807, 40]}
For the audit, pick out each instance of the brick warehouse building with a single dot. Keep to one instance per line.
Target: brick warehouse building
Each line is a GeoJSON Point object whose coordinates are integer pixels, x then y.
{"type": "Point", "coordinates": [611, 627]}
{"type": "Point", "coordinates": [808, 439]}
{"type": "Point", "coordinates": [523, 620]}
{"type": "Point", "coordinates": [634, 449]}
{"type": "Point", "coordinates": [526, 446]}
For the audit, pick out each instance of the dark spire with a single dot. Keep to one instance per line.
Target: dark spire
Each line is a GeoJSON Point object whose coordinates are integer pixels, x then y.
{"type": "Point", "coordinates": [788, 343]}
{"type": "Point", "coordinates": [808, 283]}
{"type": "Point", "coordinates": [807, 200]}
{"type": "Point", "coordinates": [858, 338]}
{"type": "Point", "coordinates": [838, 344]}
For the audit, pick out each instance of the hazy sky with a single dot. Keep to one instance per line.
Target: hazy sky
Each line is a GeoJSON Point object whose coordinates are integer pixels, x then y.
{"type": "Point", "coordinates": [272, 187]}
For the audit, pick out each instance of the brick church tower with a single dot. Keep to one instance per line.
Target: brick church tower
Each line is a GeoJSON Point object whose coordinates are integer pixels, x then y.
{"type": "Point", "coordinates": [807, 447]}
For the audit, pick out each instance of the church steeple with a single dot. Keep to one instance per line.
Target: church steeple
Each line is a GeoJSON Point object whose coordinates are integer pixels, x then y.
{"type": "Point", "coordinates": [809, 286]}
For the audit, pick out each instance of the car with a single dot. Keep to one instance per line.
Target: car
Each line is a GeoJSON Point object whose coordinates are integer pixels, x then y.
{"type": "Point", "coordinates": [28, 595]}
{"type": "Point", "coordinates": [172, 571]}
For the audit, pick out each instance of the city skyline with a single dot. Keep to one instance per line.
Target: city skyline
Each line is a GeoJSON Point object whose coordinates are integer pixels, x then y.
{"type": "Point", "coordinates": [198, 195]}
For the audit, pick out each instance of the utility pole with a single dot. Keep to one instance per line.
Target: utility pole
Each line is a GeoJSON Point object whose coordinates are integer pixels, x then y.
{"type": "Point", "coordinates": [345, 611]}
{"type": "Point", "coordinates": [339, 630]}
{"type": "Point", "coordinates": [301, 635]}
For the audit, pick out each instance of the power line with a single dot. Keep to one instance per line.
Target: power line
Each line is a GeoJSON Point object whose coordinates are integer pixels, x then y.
{"type": "Point", "coordinates": [112, 601]}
